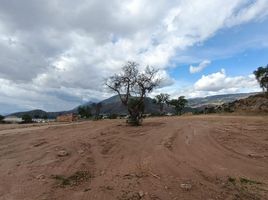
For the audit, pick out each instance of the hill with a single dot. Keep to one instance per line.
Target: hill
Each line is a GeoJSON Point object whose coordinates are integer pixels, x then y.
{"type": "Point", "coordinates": [113, 105]}
{"type": "Point", "coordinates": [217, 99]}
{"type": "Point", "coordinates": [40, 114]}
{"type": "Point", "coordinates": [253, 104]}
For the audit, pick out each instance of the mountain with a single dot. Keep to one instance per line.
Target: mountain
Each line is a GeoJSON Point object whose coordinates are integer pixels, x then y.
{"type": "Point", "coordinates": [113, 105]}
{"type": "Point", "coordinates": [113, 99]}
{"type": "Point", "coordinates": [40, 114]}
{"type": "Point", "coordinates": [217, 99]}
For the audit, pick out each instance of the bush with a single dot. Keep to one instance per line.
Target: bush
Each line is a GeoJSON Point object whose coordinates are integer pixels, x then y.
{"type": "Point", "coordinates": [2, 119]}
{"type": "Point", "coordinates": [113, 116]}
{"type": "Point", "coordinates": [99, 117]}
{"type": "Point", "coordinates": [157, 114]}
{"type": "Point", "coordinates": [84, 111]}
{"type": "Point", "coordinates": [209, 110]}
{"type": "Point", "coordinates": [27, 119]}
{"type": "Point", "coordinates": [198, 112]}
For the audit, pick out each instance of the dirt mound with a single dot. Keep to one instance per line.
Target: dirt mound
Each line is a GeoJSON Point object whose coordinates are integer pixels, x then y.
{"type": "Point", "coordinates": [256, 104]}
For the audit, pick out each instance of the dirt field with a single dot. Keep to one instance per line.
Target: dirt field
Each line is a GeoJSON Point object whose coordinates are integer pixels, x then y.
{"type": "Point", "coordinates": [199, 157]}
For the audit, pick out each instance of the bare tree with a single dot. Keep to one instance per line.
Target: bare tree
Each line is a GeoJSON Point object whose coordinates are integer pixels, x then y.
{"type": "Point", "coordinates": [132, 86]}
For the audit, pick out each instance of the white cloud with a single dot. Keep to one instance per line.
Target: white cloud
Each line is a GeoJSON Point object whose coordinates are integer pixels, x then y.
{"type": "Point", "coordinates": [212, 84]}
{"type": "Point", "coordinates": [219, 81]}
{"type": "Point", "coordinates": [200, 67]}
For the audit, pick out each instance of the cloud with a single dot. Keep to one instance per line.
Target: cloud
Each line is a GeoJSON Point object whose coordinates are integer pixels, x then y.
{"type": "Point", "coordinates": [211, 84]}
{"type": "Point", "coordinates": [200, 67]}
{"type": "Point", "coordinates": [257, 10]}
{"type": "Point", "coordinates": [50, 47]}
{"type": "Point", "coordinates": [219, 81]}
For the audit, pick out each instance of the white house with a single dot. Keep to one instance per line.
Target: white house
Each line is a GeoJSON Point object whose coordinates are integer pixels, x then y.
{"type": "Point", "coordinates": [13, 119]}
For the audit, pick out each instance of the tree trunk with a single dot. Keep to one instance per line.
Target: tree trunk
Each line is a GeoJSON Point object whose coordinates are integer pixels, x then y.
{"type": "Point", "coordinates": [135, 117]}
{"type": "Point", "coordinates": [161, 108]}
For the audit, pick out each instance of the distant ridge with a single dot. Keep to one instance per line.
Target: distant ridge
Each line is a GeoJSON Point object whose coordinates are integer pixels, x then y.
{"type": "Point", "coordinates": [113, 105]}
{"type": "Point", "coordinates": [40, 114]}
{"type": "Point", "coordinates": [217, 99]}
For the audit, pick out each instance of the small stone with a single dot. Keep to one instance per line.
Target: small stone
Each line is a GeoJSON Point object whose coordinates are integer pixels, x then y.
{"type": "Point", "coordinates": [109, 187]}
{"type": "Point", "coordinates": [39, 143]}
{"type": "Point", "coordinates": [154, 197]}
{"type": "Point", "coordinates": [87, 189]}
{"type": "Point", "coordinates": [166, 187]}
{"type": "Point", "coordinates": [186, 186]}
{"type": "Point", "coordinates": [141, 193]}
{"type": "Point", "coordinates": [62, 153]}
{"type": "Point", "coordinates": [81, 152]}
{"type": "Point", "coordinates": [41, 177]}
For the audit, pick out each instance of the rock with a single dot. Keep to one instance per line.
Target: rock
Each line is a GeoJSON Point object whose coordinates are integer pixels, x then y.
{"type": "Point", "coordinates": [141, 193]}
{"type": "Point", "coordinates": [81, 152]}
{"type": "Point", "coordinates": [109, 188]}
{"type": "Point", "coordinates": [255, 156]}
{"type": "Point", "coordinates": [39, 143]}
{"type": "Point", "coordinates": [154, 197]}
{"type": "Point", "coordinates": [186, 186]}
{"type": "Point", "coordinates": [40, 177]}
{"type": "Point", "coordinates": [62, 153]}
{"type": "Point", "coordinates": [87, 189]}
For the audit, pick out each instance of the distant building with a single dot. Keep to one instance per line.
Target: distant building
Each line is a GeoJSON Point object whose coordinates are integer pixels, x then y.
{"type": "Point", "coordinates": [40, 120]}
{"type": "Point", "coordinates": [13, 119]}
{"type": "Point", "coordinates": [169, 114]}
{"type": "Point", "coordinates": [67, 118]}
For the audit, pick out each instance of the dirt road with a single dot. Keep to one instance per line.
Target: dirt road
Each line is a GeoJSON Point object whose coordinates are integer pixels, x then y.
{"type": "Point", "coordinates": [203, 157]}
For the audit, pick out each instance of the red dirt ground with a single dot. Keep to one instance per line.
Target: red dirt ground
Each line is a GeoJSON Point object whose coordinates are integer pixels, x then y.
{"type": "Point", "coordinates": [194, 157]}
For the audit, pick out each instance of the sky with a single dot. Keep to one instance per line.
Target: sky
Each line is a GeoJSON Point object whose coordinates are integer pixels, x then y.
{"type": "Point", "coordinates": [55, 55]}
